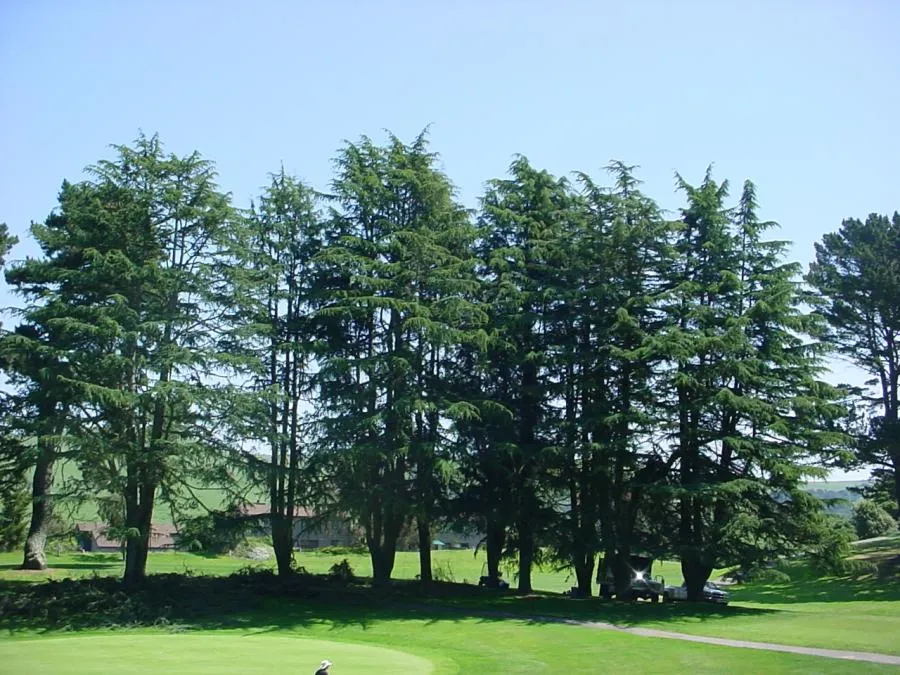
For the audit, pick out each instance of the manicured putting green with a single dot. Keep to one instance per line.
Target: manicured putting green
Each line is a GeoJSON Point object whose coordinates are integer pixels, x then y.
{"type": "Point", "coordinates": [233, 654]}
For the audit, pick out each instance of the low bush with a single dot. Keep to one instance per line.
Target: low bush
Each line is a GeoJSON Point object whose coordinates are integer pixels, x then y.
{"type": "Point", "coordinates": [860, 568]}
{"type": "Point", "coordinates": [342, 550]}
{"type": "Point", "coordinates": [870, 520]}
{"type": "Point", "coordinates": [768, 575]}
{"type": "Point", "coordinates": [443, 571]}
{"type": "Point", "coordinates": [214, 532]}
{"type": "Point", "coordinates": [831, 551]}
{"type": "Point", "coordinates": [342, 572]}
{"type": "Point", "coordinates": [254, 549]}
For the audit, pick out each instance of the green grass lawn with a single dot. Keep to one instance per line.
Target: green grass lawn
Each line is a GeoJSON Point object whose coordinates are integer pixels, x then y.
{"type": "Point", "coordinates": [207, 654]}
{"type": "Point", "coordinates": [458, 566]}
{"type": "Point", "coordinates": [838, 613]}
{"type": "Point", "coordinates": [294, 639]}
{"type": "Point", "coordinates": [812, 611]}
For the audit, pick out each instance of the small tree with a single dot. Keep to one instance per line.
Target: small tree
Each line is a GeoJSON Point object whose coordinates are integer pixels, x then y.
{"type": "Point", "coordinates": [870, 520]}
{"type": "Point", "coordinates": [829, 543]}
{"type": "Point", "coordinates": [214, 532]}
{"type": "Point", "coordinates": [15, 502]}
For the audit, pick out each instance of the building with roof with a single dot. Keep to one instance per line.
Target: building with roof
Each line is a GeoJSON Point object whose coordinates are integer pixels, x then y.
{"type": "Point", "coordinates": [94, 538]}
{"type": "Point", "coordinates": [311, 531]}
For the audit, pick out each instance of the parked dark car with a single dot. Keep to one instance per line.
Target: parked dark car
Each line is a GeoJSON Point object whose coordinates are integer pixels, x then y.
{"type": "Point", "coordinates": [711, 593]}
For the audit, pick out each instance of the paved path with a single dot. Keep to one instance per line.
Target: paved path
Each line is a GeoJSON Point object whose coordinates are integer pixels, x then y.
{"type": "Point", "coordinates": [871, 657]}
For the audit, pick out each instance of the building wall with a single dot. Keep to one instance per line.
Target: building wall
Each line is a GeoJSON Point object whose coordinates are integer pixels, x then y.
{"type": "Point", "coordinates": [331, 533]}
{"type": "Point", "coordinates": [465, 540]}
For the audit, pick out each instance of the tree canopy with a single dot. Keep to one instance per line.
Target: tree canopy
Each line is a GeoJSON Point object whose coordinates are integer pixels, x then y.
{"type": "Point", "coordinates": [566, 369]}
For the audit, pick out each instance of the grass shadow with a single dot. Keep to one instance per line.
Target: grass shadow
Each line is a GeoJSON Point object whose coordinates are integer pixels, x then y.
{"type": "Point", "coordinates": [261, 602]}
{"type": "Point", "coordinates": [805, 586]}
{"type": "Point", "coordinates": [878, 544]}
{"type": "Point", "coordinates": [64, 566]}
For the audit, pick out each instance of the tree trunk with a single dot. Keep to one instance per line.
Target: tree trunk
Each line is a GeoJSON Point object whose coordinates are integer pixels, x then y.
{"type": "Point", "coordinates": [696, 574]}
{"type": "Point", "coordinates": [424, 550]}
{"type": "Point", "coordinates": [584, 574]}
{"type": "Point", "coordinates": [891, 432]}
{"type": "Point", "coordinates": [897, 479]}
{"type": "Point", "coordinates": [526, 554]}
{"type": "Point", "coordinates": [622, 574]}
{"type": "Point", "coordinates": [139, 516]}
{"type": "Point", "coordinates": [382, 563]}
{"type": "Point", "coordinates": [283, 543]}
{"type": "Point", "coordinates": [41, 510]}
{"type": "Point", "coordinates": [494, 541]}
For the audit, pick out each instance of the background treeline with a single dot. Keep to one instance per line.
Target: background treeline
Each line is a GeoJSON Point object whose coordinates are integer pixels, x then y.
{"type": "Point", "coordinates": [568, 369]}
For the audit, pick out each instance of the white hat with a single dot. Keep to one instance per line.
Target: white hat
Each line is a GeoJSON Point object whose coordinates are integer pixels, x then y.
{"type": "Point", "coordinates": [325, 663]}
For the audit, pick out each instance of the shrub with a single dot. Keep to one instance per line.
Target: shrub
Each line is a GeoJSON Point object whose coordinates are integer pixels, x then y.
{"type": "Point", "coordinates": [343, 550]}
{"type": "Point", "coordinates": [768, 575]}
{"type": "Point", "coordinates": [299, 570]}
{"type": "Point", "coordinates": [870, 520]}
{"type": "Point", "coordinates": [443, 572]}
{"type": "Point", "coordinates": [341, 572]}
{"type": "Point", "coordinates": [254, 572]}
{"type": "Point", "coordinates": [253, 551]}
{"type": "Point", "coordinates": [860, 568]}
{"type": "Point", "coordinates": [831, 550]}
{"type": "Point", "coordinates": [215, 532]}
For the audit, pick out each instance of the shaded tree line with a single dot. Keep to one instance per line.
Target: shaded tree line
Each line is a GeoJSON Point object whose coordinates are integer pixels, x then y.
{"type": "Point", "coordinates": [567, 369]}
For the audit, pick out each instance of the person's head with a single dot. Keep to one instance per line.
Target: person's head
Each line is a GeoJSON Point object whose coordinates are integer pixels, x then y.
{"type": "Point", "coordinates": [325, 665]}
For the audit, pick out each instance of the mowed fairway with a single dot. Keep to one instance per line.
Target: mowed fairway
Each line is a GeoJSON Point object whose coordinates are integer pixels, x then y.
{"type": "Point", "coordinates": [201, 655]}
{"type": "Point", "coordinates": [476, 631]}
{"type": "Point", "coordinates": [411, 647]}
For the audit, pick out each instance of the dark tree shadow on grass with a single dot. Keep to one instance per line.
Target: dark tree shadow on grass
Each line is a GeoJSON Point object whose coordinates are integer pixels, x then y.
{"type": "Point", "coordinates": [261, 602]}
{"type": "Point", "coordinates": [91, 565]}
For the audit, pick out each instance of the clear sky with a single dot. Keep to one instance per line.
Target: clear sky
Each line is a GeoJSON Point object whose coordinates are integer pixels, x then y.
{"type": "Point", "coordinates": [801, 96]}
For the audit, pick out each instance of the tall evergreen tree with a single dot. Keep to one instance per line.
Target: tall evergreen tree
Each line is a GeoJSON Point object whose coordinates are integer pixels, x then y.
{"type": "Point", "coordinates": [15, 499]}
{"type": "Point", "coordinates": [751, 417]}
{"type": "Point", "coordinates": [274, 290]}
{"type": "Point", "coordinates": [7, 241]}
{"type": "Point", "coordinates": [484, 452]}
{"type": "Point", "coordinates": [608, 315]}
{"type": "Point", "coordinates": [857, 277]}
{"type": "Point", "coordinates": [394, 307]}
{"type": "Point", "coordinates": [121, 309]}
{"type": "Point", "coordinates": [58, 331]}
{"type": "Point", "coordinates": [166, 350]}
{"type": "Point", "coordinates": [524, 219]}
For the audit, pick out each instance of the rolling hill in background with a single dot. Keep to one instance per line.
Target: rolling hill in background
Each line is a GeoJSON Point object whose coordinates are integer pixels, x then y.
{"type": "Point", "coordinates": [838, 490]}
{"type": "Point", "coordinates": [216, 498]}
{"type": "Point", "coordinates": [85, 510]}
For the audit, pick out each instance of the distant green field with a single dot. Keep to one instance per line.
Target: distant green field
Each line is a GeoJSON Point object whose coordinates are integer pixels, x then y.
{"type": "Point", "coordinates": [836, 484]}
{"type": "Point", "coordinates": [216, 497]}
{"type": "Point", "coordinates": [74, 509]}
{"type": "Point", "coordinates": [458, 566]}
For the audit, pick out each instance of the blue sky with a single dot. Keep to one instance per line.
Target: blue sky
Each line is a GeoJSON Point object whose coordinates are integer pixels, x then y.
{"type": "Point", "coordinates": [803, 97]}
